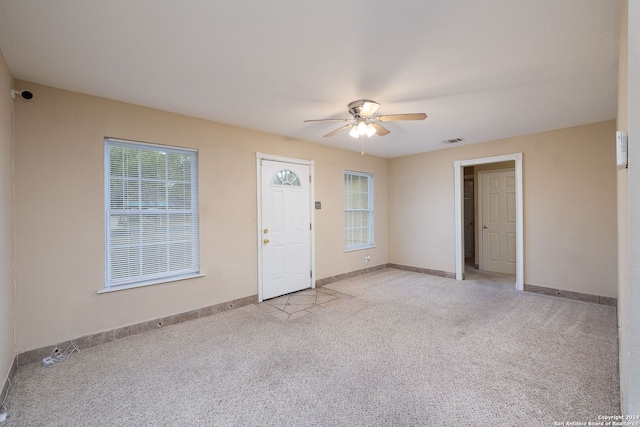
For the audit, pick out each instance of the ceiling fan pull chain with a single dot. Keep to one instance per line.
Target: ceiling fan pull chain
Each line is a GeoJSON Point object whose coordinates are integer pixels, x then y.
{"type": "Point", "coordinates": [362, 145]}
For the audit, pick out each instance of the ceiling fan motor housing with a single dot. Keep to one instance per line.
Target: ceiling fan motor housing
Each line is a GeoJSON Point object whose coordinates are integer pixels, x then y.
{"type": "Point", "coordinates": [363, 108]}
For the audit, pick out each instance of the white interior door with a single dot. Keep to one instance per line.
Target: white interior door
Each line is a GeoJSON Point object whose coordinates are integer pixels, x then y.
{"type": "Point", "coordinates": [286, 228]}
{"type": "Point", "coordinates": [498, 221]}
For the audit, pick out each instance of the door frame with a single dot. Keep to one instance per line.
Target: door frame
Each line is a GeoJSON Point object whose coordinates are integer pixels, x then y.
{"type": "Point", "coordinates": [275, 158]}
{"type": "Point", "coordinates": [458, 166]}
{"type": "Point", "coordinates": [480, 254]}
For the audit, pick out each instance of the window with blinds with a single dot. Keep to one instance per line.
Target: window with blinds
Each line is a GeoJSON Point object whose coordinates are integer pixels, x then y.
{"type": "Point", "coordinates": [151, 201]}
{"type": "Point", "coordinates": [358, 210]}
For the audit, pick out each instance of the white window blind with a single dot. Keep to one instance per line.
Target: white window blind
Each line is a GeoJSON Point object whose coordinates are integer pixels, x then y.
{"type": "Point", "coordinates": [151, 200]}
{"type": "Point", "coordinates": [358, 211]}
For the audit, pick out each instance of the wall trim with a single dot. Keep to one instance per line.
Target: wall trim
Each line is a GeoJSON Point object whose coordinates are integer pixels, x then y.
{"type": "Point", "coordinates": [87, 341]}
{"type": "Point", "coordinates": [578, 296]}
{"type": "Point", "coordinates": [439, 273]}
{"type": "Point", "coordinates": [10, 375]}
{"type": "Point", "coordinates": [331, 279]}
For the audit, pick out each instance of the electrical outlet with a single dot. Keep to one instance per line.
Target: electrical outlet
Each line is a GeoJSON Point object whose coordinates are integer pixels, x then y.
{"type": "Point", "coordinates": [367, 258]}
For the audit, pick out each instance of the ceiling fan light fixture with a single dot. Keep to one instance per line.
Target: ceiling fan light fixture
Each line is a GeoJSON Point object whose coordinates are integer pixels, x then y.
{"type": "Point", "coordinates": [371, 130]}
{"type": "Point", "coordinates": [362, 128]}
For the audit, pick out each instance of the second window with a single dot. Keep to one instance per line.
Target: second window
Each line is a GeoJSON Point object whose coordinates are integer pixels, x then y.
{"type": "Point", "coordinates": [358, 210]}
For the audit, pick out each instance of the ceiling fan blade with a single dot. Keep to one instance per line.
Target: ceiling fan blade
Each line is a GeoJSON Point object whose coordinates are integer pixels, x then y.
{"type": "Point", "coordinates": [328, 120]}
{"type": "Point", "coordinates": [379, 129]}
{"type": "Point", "coordinates": [340, 129]}
{"type": "Point", "coordinates": [394, 117]}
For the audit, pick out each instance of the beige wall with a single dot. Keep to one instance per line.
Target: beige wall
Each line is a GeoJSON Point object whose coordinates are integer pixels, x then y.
{"type": "Point", "coordinates": [569, 197]}
{"type": "Point", "coordinates": [569, 207]}
{"type": "Point", "coordinates": [60, 213]}
{"type": "Point", "coordinates": [6, 239]}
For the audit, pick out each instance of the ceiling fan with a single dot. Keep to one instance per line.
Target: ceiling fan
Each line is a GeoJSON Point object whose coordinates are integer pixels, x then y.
{"type": "Point", "coordinates": [364, 122]}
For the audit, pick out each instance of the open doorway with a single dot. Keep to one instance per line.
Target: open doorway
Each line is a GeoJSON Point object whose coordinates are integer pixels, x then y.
{"type": "Point", "coordinates": [508, 241]}
{"type": "Point", "coordinates": [469, 217]}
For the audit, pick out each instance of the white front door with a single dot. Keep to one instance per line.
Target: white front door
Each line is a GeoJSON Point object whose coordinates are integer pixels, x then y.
{"type": "Point", "coordinates": [285, 237]}
{"type": "Point", "coordinates": [498, 221]}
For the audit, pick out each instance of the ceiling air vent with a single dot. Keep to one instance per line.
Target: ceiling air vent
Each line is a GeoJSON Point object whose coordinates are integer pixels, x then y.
{"type": "Point", "coordinates": [452, 141]}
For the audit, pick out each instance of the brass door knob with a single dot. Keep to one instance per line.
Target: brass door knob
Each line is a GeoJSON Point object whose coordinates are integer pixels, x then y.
{"type": "Point", "coordinates": [265, 241]}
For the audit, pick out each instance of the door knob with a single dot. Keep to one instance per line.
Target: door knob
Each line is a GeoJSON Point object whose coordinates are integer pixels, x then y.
{"type": "Point", "coordinates": [485, 227]}
{"type": "Point", "coordinates": [266, 241]}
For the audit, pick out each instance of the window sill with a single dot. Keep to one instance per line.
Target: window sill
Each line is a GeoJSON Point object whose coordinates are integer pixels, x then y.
{"type": "Point", "coordinates": [360, 248]}
{"type": "Point", "coordinates": [149, 283]}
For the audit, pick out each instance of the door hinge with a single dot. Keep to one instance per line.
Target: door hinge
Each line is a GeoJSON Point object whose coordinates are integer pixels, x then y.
{"type": "Point", "coordinates": [311, 273]}
{"type": "Point", "coordinates": [309, 178]}
{"type": "Point", "coordinates": [310, 227]}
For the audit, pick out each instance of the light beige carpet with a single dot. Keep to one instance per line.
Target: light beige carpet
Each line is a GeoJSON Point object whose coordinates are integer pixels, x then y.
{"type": "Point", "coordinates": [408, 350]}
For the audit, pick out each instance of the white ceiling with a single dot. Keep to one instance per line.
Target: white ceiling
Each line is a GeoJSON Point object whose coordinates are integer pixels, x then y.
{"type": "Point", "coordinates": [481, 70]}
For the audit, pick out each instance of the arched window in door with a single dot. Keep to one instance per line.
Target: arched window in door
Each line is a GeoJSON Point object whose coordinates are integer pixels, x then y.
{"type": "Point", "coordinates": [286, 178]}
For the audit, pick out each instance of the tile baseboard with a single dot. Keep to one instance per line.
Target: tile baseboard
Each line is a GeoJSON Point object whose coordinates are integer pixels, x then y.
{"type": "Point", "coordinates": [327, 280]}
{"type": "Point", "coordinates": [578, 296]}
{"type": "Point", "coordinates": [5, 386]}
{"type": "Point", "coordinates": [87, 341]}
{"type": "Point", "coordinates": [331, 279]}
{"type": "Point", "coordinates": [439, 273]}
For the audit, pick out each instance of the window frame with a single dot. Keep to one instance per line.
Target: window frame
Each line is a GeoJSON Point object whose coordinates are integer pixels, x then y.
{"type": "Point", "coordinates": [370, 210]}
{"type": "Point", "coordinates": [193, 242]}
